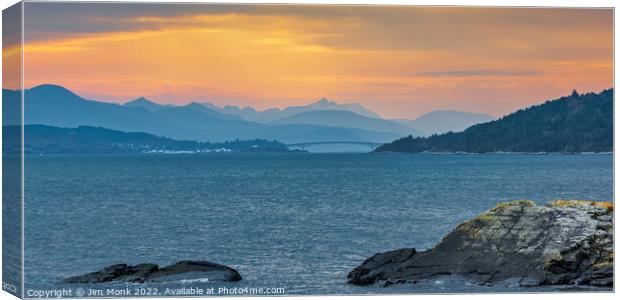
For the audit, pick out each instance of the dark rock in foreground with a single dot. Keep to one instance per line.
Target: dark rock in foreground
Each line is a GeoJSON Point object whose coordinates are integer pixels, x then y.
{"type": "Point", "coordinates": [563, 242]}
{"type": "Point", "coordinates": [141, 273]}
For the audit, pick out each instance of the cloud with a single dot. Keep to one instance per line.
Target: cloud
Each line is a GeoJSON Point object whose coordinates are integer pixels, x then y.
{"type": "Point", "coordinates": [267, 54]}
{"type": "Point", "coordinates": [478, 73]}
{"type": "Point", "coordinates": [507, 32]}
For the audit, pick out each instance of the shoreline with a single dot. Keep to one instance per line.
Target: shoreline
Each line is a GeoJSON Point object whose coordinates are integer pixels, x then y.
{"type": "Point", "coordinates": [497, 153]}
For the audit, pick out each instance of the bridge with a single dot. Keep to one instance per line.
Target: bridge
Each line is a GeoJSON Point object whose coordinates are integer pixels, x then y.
{"type": "Point", "coordinates": [372, 145]}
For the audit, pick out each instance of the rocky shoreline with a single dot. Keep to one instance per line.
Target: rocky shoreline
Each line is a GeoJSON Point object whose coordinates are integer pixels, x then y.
{"type": "Point", "coordinates": [565, 242]}
{"type": "Point", "coordinates": [560, 243]}
{"type": "Point", "coordinates": [143, 273]}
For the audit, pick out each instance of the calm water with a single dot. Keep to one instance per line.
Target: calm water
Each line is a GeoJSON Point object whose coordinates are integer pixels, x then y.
{"type": "Point", "coordinates": [298, 221]}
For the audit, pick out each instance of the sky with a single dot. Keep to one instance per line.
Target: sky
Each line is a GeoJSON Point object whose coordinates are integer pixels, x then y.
{"type": "Point", "coordinates": [400, 61]}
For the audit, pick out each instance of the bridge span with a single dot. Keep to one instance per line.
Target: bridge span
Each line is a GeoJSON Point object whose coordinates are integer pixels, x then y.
{"type": "Point", "coordinates": [372, 145]}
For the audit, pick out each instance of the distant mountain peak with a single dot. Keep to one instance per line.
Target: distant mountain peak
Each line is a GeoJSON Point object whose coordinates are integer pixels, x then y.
{"type": "Point", "coordinates": [325, 101]}
{"type": "Point", "coordinates": [144, 103]}
{"type": "Point", "coordinates": [49, 86]}
{"type": "Point", "coordinates": [326, 104]}
{"type": "Point", "coordinates": [52, 89]}
{"type": "Point", "coordinates": [249, 108]}
{"type": "Point", "coordinates": [194, 104]}
{"type": "Point", "coordinates": [142, 99]}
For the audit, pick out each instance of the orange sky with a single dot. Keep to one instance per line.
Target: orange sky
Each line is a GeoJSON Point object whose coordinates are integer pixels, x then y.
{"type": "Point", "coordinates": [398, 61]}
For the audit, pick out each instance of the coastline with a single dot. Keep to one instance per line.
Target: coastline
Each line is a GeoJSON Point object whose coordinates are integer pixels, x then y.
{"type": "Point", "coordinates": [495, 153]}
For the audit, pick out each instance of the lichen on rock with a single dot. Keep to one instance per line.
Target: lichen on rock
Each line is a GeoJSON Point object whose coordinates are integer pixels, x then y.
{"type": "Point", "coordinates": [562, 242]}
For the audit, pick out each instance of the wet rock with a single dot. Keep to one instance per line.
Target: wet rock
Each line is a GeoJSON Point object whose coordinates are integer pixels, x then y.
{"type": "Point", "coordinates": [563, 242]}
{"type": "Point", "coordinates": [141, 273]}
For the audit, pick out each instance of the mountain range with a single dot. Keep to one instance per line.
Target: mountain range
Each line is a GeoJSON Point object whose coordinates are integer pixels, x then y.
{"type": "Point", "coordinates": [576, 123]}
{"type": "Point", "coordinates": [56, 106]}
{"type": "Point", "coordinates": [573, 124]}
{"type": "Point", "coordinates": [272, 114]}
{"type": "Point", "coordinates": [434, 122]}
{"type": "Point", "coordinates": [322, 121]}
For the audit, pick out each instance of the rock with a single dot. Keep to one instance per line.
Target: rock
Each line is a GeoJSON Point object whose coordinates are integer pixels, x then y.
{"type": "Point", "coordinates": [564, 242]}
{"type": "Point", "coordinates": [141, 273]}
{"type": "Point", "coordinates": [195, 269]}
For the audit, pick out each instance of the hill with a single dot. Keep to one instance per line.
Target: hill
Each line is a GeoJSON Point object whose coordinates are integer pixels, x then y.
{"type": "Point", "coordinates": [42, 139]}
{"type": "Point", "coordinates": [572, 124]}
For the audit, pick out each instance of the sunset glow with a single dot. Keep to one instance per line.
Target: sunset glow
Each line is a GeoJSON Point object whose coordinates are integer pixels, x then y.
{"type": "Point", "coordinates": [398, 61]}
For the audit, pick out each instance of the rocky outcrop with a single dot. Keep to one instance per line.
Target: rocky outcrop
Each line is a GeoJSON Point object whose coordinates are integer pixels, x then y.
{"type": "Point", "coordinates": [141, 273]}
{"type": "Point", "coordinates": [563, 242]}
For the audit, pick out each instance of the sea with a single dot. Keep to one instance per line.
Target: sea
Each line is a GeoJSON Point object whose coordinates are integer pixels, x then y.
{"type": "Point", "coordinates": [290, 223]}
